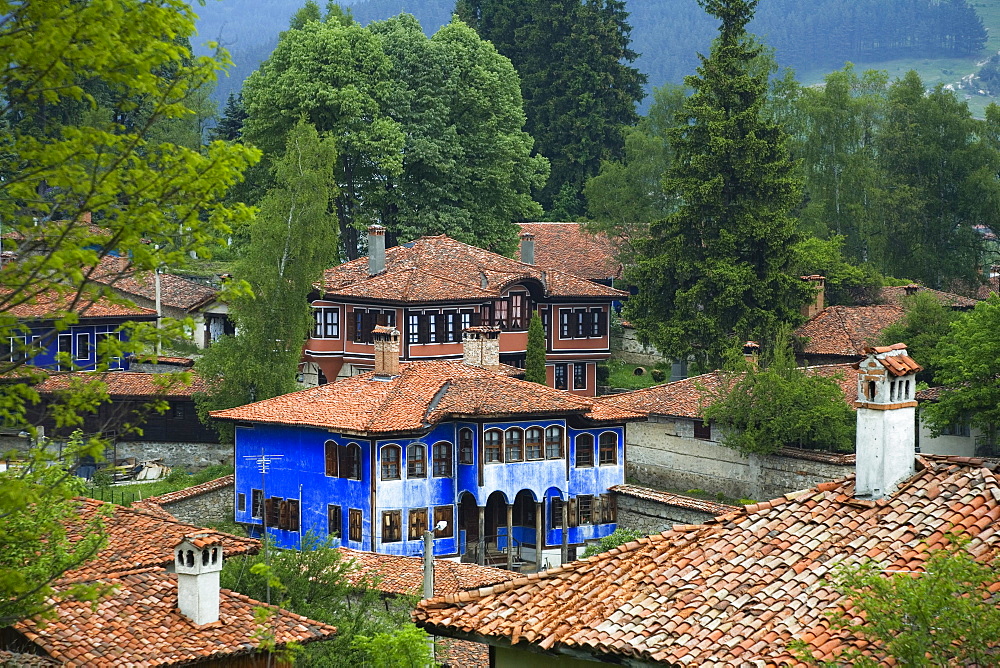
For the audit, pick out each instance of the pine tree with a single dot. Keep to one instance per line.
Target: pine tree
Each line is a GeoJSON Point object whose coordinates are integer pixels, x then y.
{"type": "Point", "coordinates": [720, 265]}
{"type": "Point", "coordinates": [534, 365]}
{"type": "Point", "coordinates": [230, 126]}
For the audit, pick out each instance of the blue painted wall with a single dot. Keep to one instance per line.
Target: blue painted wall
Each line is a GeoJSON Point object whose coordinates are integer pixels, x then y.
{"type": "Point", "coordinates": [84, 351]}
{"type": "Point", "coordinates": [300, 473]}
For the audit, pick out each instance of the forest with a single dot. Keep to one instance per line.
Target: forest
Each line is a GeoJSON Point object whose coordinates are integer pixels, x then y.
{"type": "Point", "coordinates": [806, 35]}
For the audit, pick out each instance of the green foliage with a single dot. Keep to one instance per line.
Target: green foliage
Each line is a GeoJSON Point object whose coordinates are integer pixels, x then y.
{"type": "Point", "coordinates": [316, 581]}
{"type": "Point", "coordinates": [719, 266]}
{"type": "Point", "coordinates": [467, 166]}
{"type": "Point", "coordinates": [36, 506]}
{"type": "Point", "coordinates": [622, 375]}
{"type": "Point", "coordinates": [534, 365]}
{"type": "Point", "coordinates": [967, 363]}
{"type": "Point", "coordinates": [846, 283]}
{"type": "Point", "coordinates": [579, 87]}
{"type": "Point", "coordinates": [405, 647]}
{"type": "Point", "coordinates": [102, 113]}
{"type": "Point", "coordinates": [603, 373]}
{"type": "Point", "coordinates": [945, 616]}
{"type": "Point", "coordinates": [176, 481]}
{"type": "Point", "coordinates": [291, 243]}
{"type": "Point", "coordinates": [619, 536]}
{"type": "Point", "coordinates": [926, 322]}
{"type": "Point", "coordinates": [760, 408]}
{"type": "Point", "coordinates": [230, 126]}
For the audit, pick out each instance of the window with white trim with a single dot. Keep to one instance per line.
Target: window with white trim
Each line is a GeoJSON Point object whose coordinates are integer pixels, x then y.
{"type": "Point", "coordinates": [326, 323]}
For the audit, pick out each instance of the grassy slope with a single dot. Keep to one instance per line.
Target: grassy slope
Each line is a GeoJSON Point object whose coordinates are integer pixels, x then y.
{"type": "Point", "coordinates": [939, 70]}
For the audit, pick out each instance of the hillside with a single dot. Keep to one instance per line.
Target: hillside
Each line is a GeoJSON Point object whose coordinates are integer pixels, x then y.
{"type": "Point", "coordinates": [944, 41]}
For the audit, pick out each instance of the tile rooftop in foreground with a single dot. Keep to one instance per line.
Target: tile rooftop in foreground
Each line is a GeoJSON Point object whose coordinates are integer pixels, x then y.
{"type": "Point", "coordinates": [570, 248]}
{"type": "Point", "coordinates": [394, 574]}
{"type": "Point", "coordinates": [737, 589]}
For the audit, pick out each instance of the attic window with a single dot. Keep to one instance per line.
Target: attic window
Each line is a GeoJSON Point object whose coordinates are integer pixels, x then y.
{"type": "Point", "coordinates": [871, 390]}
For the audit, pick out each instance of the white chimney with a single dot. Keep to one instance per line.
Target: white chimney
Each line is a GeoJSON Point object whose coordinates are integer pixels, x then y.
{"type": "Point", "coordinates": [386, 339]}
{"type": "Point", "coordinates": [197, 562]}
{"type": "Point", "coordinates": [527, 248]}
{"type": "Point", "coordinates": [886, 439]}
{"type": "Point", "coordinates": [481, 347]}
{"type": "Point", "coordinates": [376, 250]}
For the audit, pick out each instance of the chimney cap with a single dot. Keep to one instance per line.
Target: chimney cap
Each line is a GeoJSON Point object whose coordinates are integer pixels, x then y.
{"type": "Point", "coordinates": [527, 235]}
{"type": "Point", "coordinates": [200, 540]}
{"type": "Point", "coordinates": [377, 230]}
{"type": "Point", "coordinates": [489, 331]}
{"type": "Point", "coordinates": [813, 277]}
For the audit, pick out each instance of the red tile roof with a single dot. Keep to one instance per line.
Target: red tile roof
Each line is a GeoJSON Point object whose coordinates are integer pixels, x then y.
{"type": "Point", "coordinates": [423, 394]}
{"type": "Point", "coordinates": [52, 304]}
{"type": "Point", "coordinates": [846, 330]}
{"type": "Point", "coordinates": [129, 384]}
{"type": "Point", "coordinates": [404, 575]}
{"type": "Point", "coordinates": [688, 397]}
{"type": "Point", "coordinates": [896, 295]}
{"type": "Point", "coordinates": [677, 500]}
{"type": "Point", "coordinates": [736, 590]}
{"type": "Point", "coordinates": [16, 660]}
{"type": "Point", "coordinates": [175, 291]}
{"type": "Point", "coordinates": [462, 653]}
{"type": "Point", "coordinates": [570, 248]}
{"type": "Point", "coordinates": [192, 492]}
{"type": "Point", "coordinates": [137, 539]}
{"type": "Point", "coordinates": [900, 364]}
{"type": "Point", "coordinates": [440, 269]}
{"type": "Point", "coordinates": [140, 625]}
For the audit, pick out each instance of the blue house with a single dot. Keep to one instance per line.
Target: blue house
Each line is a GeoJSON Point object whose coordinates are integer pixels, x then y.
{"type": "Point", "coordinates": [37, 341]}
{"type": "Point", "coordinates": [501, 469]}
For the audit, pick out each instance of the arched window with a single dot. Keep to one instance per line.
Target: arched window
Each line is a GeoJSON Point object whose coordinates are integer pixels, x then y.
{"type": "Point", "coordinates": [533, 443]}
{"type": "Point", "coordinates": [416, 461]}
{"type": "Point", "coordinates": [465, 446]}
{"type": "Point", "coordinates": [350, 461]}
{"type": "Point", "coordinates": [514, 440]}
{"type": "Point", "coordinates": [442, 459]}
{"type": "Point", "coordinates": [492, 446]}
{"type": "Point", "coordinates": [608, 448]}
{"type": "Point", "coordinates": [553, 442]}
{"type": "Point", "coordinates": [585, 450]}
{"type": "Point", "coordinates": [390, 462]}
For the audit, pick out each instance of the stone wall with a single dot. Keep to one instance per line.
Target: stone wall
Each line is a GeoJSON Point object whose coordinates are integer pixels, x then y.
{"type": "Point", "coordinates": [211, 507]}
{"type": "Point", "coordinates": [629, 349]}
{"type": "Point", "coordinates": [649, 517]}
{"type": "Point", "coordinates": [664, 453]}
{"type": "Point", "coordinates": [186, 456]}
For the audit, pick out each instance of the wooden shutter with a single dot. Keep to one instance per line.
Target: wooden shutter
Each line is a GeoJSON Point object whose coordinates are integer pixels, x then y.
{"type": "Point", "coordinates": [423, 328]}
{"type": "Point", "coordinates": [331, 459]}
{"type": "Point", "coordinates": [382, 319]}
{"type": "Point", "coordinates": [368, 322]}
{"type": "Point", "coordinates": [571, 513]}
{"type": "Point", "coordinates": [293, 514]}
{"type": "Point", "coordinates": [352, 326]}
{"type": "Point", "coordinates": [476, 320]}
{"type": "Point", "coordinates": [602, 323]}
{"type": "Point", "coordinates": [283, 515]}
{"type": "Point", "coordinates": [595, 510]}
{"type": "Point", "coordinates": [440, 335]}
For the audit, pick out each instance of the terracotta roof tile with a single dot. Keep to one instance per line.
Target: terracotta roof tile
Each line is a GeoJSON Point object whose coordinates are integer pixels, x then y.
{"type": "Point", "coordinates": [16, 660]}
{"type": "Point", "coordinates": [687, 398]}
{"type": "Point", "coordinates": [129, 384]}
{"type": "Point", "coordinates": [192, 492]}
{"type": "Point", "coordinates": [175, 291]}
{"type": "Point", "coordinates": [737, 590]}
{"type": "Point", "coordinates": [677, 500]}
{"type": "Point", "coordinates": [846, 330]}
{"type": "Point", "coordinates": [52, 304]}
{"type": "Point", "coordinates": [138, 539]}
{"type": "Point", "coordinates": [394, 574]}
{"type": "Point", "coordinates": [424, 393]}
{"type": "Point", "coordinates": [440, 269]}
{"type": "Point", "coordinates": [896, 295]}
{"type": "Point", "coordinates": [462, 653]}
{"type": "Point", "coordinates": [139, 625]}
{"type": "Point", "coordinates": [570, 248]}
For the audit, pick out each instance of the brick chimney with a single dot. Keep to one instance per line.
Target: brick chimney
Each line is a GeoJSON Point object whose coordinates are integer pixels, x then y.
{"type": "Point", "coordinates": [197, 562]}
{"type": "Point", "coordinates": [386, 339]}
{"type": "Point", "coordinates": [818, 283]}
{"type": "Point", "coordinates": [481, 347]}
{"type": "Point", "coordinates": [886, 415]}
{"type": "Point", "coordinates": [527, 248]}
{"type": "Point", "coordinates": [911, 289]}
{"type": "Point", "coordinates": [376, 250]}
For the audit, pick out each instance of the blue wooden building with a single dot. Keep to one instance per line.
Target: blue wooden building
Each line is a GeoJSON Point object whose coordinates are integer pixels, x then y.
{"type": "Point", "coordinates": [37, 342]}
{"type": "Point", "coordinates": [513, 471]}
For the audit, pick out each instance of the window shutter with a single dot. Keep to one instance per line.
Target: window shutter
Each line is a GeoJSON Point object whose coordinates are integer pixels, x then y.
{"type": "Point", "coordinates": [293, 515]}
{"type": "Point", "coordinates": [268, 511]}
{"type": "Point", "coordinates": [368, 323]}
{"type": "Point", "coordinates": [283, 515]}
{"type": "Point", "coordinates": [352, 326]}
{"type": "Point", "coordinates": [423, 328]}
{"type": "Point", "coordinates": [476, 320]}
{"type": "Point", "coordinates": [331, 459]}
{"type": "Point", "coordinates": [571, 513]}
{"type": "Point", "coordinates": [381, 319]}
{"type": "Point", "coordinates": [602, 323]}
{"type": "Point", "coordinates": [440, 334]}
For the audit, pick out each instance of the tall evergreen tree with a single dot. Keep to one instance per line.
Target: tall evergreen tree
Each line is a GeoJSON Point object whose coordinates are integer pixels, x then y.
{"type": "Point", "coordinates": [579, 87]}
{"type": "Point", "coordinates": [292, 241]}
{"type": "Point", "coordinates": [230, 127]}
{"type": "Point", "coordinates": [534, 365]}
{"type": "Point", "coordinates": [720, 265]}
